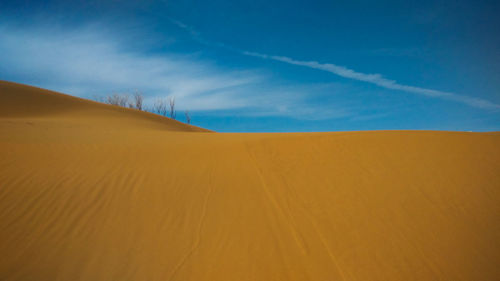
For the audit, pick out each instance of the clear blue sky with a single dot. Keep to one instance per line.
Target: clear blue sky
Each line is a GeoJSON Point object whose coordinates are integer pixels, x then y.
{"type": "Point", "coordinates": [270, 66]}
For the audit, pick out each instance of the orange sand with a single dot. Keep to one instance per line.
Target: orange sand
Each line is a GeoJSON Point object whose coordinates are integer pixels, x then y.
{"type": "Point", "coordinates": [96, 192]}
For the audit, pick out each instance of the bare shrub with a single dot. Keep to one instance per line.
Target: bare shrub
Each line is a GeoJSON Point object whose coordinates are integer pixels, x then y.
{"type": "Point", "coordinates": [171, 103]}
{"type": "Point", "coordinates": [137, 101]}
{"type": "Point", "coordinates": [123, 100]}
{"type": "Point", "coordinates": [188, 116]}
{"type": "Point", "coordinates": [118, 99]}
{"type": "Point", "coordinates": [160, 107]}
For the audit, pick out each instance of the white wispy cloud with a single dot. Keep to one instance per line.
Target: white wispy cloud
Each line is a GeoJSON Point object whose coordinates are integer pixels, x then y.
{"type": "Point", "coordinates": [87, 61]}
{"type": "Point", "coordinates": [376, 79]}
{"type": "Point", "coordinates": [91, 60]}
{"type": "Point", "coordinates": [379, 80]}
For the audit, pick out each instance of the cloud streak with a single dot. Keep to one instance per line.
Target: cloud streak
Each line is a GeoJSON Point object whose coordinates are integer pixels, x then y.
{"type": "Point", "coordinates": [376, 79]}
{"type": "Point", "coordinates": [379, 80]}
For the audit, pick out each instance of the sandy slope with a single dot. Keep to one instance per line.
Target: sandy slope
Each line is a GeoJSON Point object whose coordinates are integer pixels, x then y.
{"type": "Point", "coordinates": [95, 192]}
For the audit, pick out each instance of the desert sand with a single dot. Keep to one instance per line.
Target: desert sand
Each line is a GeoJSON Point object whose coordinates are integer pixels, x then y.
{"type": "Point", "coordinates": [96, 192]}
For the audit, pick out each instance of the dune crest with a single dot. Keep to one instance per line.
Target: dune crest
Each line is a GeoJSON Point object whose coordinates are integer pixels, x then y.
{"type": "Point", "coordinates": [22, 101]}
{"type": "Point", "coordinates": [96, 192]}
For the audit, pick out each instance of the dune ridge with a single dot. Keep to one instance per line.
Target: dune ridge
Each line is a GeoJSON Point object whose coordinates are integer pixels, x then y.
{"type": "Point", "coordinates": [96, 192]}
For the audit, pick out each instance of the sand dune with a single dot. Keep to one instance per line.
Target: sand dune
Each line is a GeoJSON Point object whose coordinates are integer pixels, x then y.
{"type": "Point", "coordinates": [96, 192]}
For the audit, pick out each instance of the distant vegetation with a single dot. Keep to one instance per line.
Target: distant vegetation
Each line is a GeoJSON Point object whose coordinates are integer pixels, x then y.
{"type": "Point", "coordinates": [161, 106]}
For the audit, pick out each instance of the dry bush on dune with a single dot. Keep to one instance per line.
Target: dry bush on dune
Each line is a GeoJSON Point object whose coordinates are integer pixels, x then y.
{"type": "Point", "coordinates": [118, 99]}
{"type": "Point", "coordinates": [137, 101]}
{"type": "Point", "coordinates": [160, 107]}
{"type": "Point", "coordinates": [123, 100]}
{"type": "Point", "coordinates": [171, 103]}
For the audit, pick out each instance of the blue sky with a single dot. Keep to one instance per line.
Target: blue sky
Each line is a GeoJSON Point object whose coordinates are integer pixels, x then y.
{"type": "Point", "coordinates": [270, 66]}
